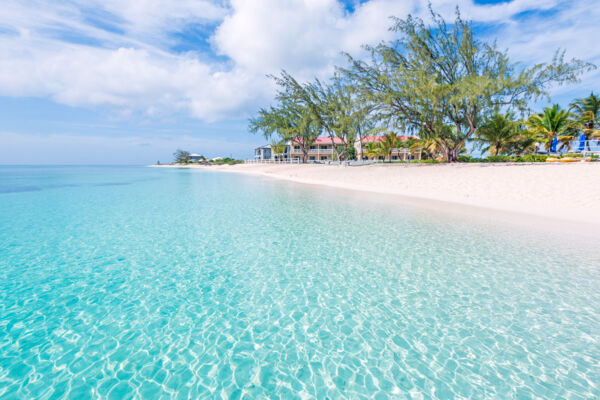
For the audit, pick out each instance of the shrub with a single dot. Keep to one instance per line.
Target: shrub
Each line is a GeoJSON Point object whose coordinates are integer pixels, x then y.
{"type": "Point", "coordinates": [468, 158]}
{"type": "Point", "coordinates": [532, 158]}
{"type": "Point", "coordinates": [499, 158]}
{"type": "Point", "coordinates": [226, 160]}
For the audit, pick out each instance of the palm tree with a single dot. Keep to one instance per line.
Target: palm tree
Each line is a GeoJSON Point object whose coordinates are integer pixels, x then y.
{"type": "Point", "coordinates": [374, 151]}
{"type": "Point", "coordinates": [565, 141]}
{"type": "Point", "coordinates": [411, 144]}
{"type": "Point", "coordinates": [498, 133]}
{"type": "Point", "coordinates": [552, 123]}
{"type": "Point", "coordinates": [587, 115]}
{"type": "Point", "coordinates": [526, 142]}
{"type": "Point", "coordinates": [432, 147]}
{"type": "Point", "coordinates": [388, 143]}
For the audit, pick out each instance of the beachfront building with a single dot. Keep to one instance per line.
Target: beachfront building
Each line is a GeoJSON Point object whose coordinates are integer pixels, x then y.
{"type": "Point", "coordinates": [262, 153]}
{"type": "Point", "coordinates": [266, 153]}
{"type": "Point", "coordinates": [196, 158]}
{"type": "Point", "coordinates": [397, 154]}
{"type": "Point", "coordinates": [322, 149]}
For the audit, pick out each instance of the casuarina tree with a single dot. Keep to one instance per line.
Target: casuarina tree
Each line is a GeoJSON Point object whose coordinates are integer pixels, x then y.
{"type": "Point", "coordinates": [440, 75]}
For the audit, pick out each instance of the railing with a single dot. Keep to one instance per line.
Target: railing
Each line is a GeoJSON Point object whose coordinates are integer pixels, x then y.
{"type": "Point", "coordinates": [589, 146]}
{"type": "Point", "coordinates": [287, 161]}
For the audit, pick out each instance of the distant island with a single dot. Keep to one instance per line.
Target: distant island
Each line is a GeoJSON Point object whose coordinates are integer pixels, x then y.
{"type": "Point", "coordinates": [183, 158]}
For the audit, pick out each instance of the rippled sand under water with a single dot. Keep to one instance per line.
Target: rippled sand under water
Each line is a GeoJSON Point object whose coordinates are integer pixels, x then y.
{"type": "Point", "coordinates": [137, 282]}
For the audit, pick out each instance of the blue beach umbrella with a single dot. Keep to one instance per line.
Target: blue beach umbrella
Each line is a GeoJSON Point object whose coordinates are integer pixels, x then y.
{"type": "Point", "coordinates": [554, 143]}
{"type": "Point", "coordinates": [581, 143]}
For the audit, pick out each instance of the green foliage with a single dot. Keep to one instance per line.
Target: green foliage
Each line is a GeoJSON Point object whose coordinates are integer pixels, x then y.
{"type": "Point", "coordinates": [351, 153]}
{"type": "Point", "coordinates": [181, 156]}
{"type": "Point", "coordinates": [469, 159]}
{"type": "Point", "coordinates": [499, 158]}
{"type": "Point", "coordinates": [532, 158]}
{"type": "Point", "coordinates": [586, 114]}
{"type": "Point", "coordinates": [226, 161]}
{"type": "Point", "coordinates": [517, 159]}
{"type": "Point", "coordinates": [333, 105]}
{"type": "Point", "coordinates": [440, 82]}
{"type": "Point", "coordinates": [388, 143]}
{"type": "Point", "coordinates": [552, 122]}
{"type": "Point", "coordinates": [289, 121]}
{"type": "Point", "coordinates": [278, 148]}
{"type": "Point", "coordinates": [436, 81]}
{"type": "Point", "coordinates": [498, 133]}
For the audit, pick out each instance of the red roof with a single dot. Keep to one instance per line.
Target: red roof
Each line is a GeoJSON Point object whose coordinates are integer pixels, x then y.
{"type": "Point", "coordinates": [371, 139]}
{"type": "Point", "coordinates": [323, 140]}
{"type": "Point", "coordinates": [368, 139]}
{"type": "Point", "coordinates": [327, 140]}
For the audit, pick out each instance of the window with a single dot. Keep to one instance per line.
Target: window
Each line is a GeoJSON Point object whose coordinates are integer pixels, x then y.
{"type": "Point", "coordinates": [312, 158]}
{"type": "Point", "coordinates": [394, 157]}
{"type": "Point", "coordinates": [296, 148]}
{"type": "Point", "coordinates": [323, 158]}
{"type": "Point", "coordinates": [326, 148]}
{"type": "Point", "coordinates": [313, 147]}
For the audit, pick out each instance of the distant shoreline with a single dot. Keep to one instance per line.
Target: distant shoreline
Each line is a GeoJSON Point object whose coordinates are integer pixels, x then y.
{"type": "Point", "coordinates": [567, 192]}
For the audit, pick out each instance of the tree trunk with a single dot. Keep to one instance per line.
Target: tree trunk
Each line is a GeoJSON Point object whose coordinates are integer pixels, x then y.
{"type": "Point", "coordinates": [452, 155]}
{"type": "Point", "coordinates": [360, 147]}
{"type": "Point", "coordinates": [587, 142]}
{"type": "Point", "coordinates": [332, 138]}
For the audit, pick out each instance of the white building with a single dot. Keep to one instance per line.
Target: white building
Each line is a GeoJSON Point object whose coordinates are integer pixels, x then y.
{"type": "Point", "coordinates": [194, 158]}
{"type": "Point", "coordinates": [322, 149]}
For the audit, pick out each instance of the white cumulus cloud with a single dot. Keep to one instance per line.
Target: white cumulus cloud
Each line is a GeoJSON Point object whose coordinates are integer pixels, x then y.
{"type": "Point", "coordinates": [118, 54]}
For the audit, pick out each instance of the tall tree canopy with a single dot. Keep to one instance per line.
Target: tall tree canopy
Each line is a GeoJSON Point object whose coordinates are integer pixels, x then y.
{"type": "Point", "coordinates": [434, 77]}
{"type": "Point", "coordinates": [552, 123]}
{"type": "Point", "coordinates": [332, 104]}
{"type": "Point", "coordinates": [498, 133]}
{"type": "Point", "coordinates": [289, 121]}
{"type": "Point", "coordinates": [181, 156]}
{"type": "Point", "coordinates": [587, 113]}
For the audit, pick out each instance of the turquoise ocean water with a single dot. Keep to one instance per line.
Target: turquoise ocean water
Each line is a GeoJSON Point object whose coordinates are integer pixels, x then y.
{"type": "Point", "coordinates": [119, 282]}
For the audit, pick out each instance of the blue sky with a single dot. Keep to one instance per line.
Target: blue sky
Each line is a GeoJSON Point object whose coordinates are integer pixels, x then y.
{"type": "Point", "coordinates": [130, 81]}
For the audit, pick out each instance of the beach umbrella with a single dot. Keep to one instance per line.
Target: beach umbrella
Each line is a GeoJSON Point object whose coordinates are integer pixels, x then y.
{"type": "Point", "coordinates": [554, 143]}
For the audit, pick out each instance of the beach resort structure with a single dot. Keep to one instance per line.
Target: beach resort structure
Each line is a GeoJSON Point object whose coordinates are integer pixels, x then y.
{"type": "Point", "coordinates": [196, 158]}
{"type": "Point", "coordinates": [265, 153]}
{"type": "Point", "coordinates": [322, 150]}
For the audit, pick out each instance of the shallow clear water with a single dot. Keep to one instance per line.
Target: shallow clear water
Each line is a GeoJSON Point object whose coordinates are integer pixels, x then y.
{"type": "Point", "coordinates": [139, 282]}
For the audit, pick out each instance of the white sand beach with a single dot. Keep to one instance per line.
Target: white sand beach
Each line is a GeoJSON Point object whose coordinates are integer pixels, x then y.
{"type": "Point", "coordinates": [570, 192]}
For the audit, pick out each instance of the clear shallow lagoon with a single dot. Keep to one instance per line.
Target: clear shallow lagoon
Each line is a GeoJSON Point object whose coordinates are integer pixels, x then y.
{"type": "Point", "coordinates": [139, 282]}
